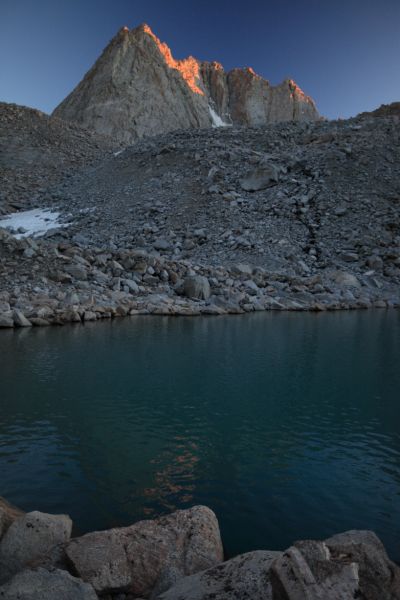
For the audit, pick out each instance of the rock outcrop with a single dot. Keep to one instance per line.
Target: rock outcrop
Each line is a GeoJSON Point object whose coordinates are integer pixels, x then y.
{"type": "Point", "coordinates": [385, 110]}
{"type": "Point", "coordinates": [41, 584]}
{"type": "Point", "coordinates": [349, 565]}
{"type": "Point", "coordinates": [180, 557]}
{"type": "Point", "coordinates": [245, 577]}
{"type": "Point", "coordinates": [138, 558]}
{"type": "Point", "coordinates": [137, 88]}
{"type": "Point", "coordinates": [29, 538]}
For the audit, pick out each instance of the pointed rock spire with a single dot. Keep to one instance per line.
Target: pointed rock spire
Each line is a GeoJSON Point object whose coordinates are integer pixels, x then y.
{"type": "Point", "coordinates": [138, 88]}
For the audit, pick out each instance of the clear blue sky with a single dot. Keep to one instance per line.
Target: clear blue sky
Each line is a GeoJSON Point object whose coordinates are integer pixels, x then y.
{"type": "Point", "coordinates": [343, 53]}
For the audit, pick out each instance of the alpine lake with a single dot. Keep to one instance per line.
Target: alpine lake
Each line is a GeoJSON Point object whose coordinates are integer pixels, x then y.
{"type": "Point", "coordinates": [286, 424]}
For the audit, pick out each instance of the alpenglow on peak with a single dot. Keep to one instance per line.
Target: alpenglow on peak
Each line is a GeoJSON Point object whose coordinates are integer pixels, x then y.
{"type": "Point", "coordinates": [137, 88]}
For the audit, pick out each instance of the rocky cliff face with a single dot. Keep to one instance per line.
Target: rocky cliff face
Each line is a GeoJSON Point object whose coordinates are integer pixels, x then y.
{"type": "Point", "coordinates": [136, 88]}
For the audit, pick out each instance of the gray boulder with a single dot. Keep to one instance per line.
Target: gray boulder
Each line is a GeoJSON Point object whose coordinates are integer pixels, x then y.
{"type": "Point", "coordinates": [101, 559]}
{"type": "Point", "coordinates": [347, 566]}
{"type": "Point", "coordinates": [196, 287]}
{"type": "Point", "coordinates": [134, 558]}
{"type": "Point", "coordinates": [77, 271]}
{"type": "Point", "coordinates": [20, 320]}
{"type": "Point", "coordinates": [89, 315]}
{"type": "Point", "coordinates": [306, 571]}
{"type": "Point", "coordinates": [29, 538]}
{"type": "Point", "coordinates": [260, 179]}
{"type": "Point", "coordinates": [162, 244]}
{"type": "Point", "coordinates": [245, 577]}
{"type": "Point", "coordinates": [344, 279]}
{"type": "Point", "coordinates": [379, 577]}
{"type": "Point", "coordinates": [242, 269]}
{"type": "Point", "coordinates": [44, 585]}
{"type": "Point", "coordinates": [6, 320]}
{"type": "Point", "coordinates": [375, 263]}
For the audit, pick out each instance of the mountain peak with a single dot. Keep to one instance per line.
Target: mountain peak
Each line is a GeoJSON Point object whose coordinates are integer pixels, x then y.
{"type": "Point", "coordinates": [138, 88]}
{"type": "Point", "coordinates": [146, 29]}
{"type": "Point", "coordinates": [143, 28]}
{"type": "Point", "coordinates": [189, 68]}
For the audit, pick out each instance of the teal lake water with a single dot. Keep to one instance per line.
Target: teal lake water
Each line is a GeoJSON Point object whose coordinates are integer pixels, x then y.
{"type": "Point", "coordinates": [287, 425]}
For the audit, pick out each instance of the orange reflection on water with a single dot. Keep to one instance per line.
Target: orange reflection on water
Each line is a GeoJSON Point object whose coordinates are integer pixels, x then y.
{"type": "Point", "coordinates": [175, 477]}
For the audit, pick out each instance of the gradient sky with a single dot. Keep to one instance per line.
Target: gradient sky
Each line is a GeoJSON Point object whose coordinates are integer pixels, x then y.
{"type": "Point", "coordinates": [343, 53]}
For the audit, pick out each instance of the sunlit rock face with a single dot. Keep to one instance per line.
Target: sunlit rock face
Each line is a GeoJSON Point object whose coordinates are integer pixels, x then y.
{"type": "Point", "coordinates": [137, 88]}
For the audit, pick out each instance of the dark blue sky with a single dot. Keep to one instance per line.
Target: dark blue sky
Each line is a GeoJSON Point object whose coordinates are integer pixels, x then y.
{"type": "Point", "coordinates": [343, 53]}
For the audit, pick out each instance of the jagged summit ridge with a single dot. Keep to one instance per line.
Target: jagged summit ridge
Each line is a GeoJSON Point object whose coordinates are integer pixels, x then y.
{"type": "Point", "coordinates": [137, 88]}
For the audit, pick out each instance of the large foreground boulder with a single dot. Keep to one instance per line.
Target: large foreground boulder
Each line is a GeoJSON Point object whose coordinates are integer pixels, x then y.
{"type": "Point", "coordinates": [350, 565]}
{"type": "Point", "coordinates": [379, 577]}
{"type": "Point", "coordinates": [136, 559]}
{"type": "Point", "coordinates": [29, 538]}
{"type": "Point", "coordinates": [179, 557]}
{"type": "Point", "coordinates": [344, 567]}
{"type": "Point", "coordinates": [44, 585]}
{"type": "Point", "coordinates": [245, 577]}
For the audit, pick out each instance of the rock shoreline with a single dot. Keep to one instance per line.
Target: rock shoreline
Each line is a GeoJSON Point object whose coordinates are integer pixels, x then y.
{"type": "Point", "coordinates": [180, 557]}
{"type": "Point", "coordinates": [15, 319]}
{"type": "Point", "coordinates": [54, 283]}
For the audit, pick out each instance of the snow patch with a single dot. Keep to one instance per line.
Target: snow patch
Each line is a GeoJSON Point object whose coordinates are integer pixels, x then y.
{"type": "Point", "coordinates": [34, 222]}
{"type": "Point", "coordinates": [119, 152]}
{"type": "Point", "coordinates": [216, 119]}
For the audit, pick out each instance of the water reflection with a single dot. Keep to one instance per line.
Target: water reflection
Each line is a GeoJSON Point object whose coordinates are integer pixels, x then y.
{"type": "Point", "coordinates": [174, 477]}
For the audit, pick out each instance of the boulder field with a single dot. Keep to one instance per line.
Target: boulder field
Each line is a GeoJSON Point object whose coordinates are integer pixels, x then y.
{"type": "Point", "coordinates": [289, 216]}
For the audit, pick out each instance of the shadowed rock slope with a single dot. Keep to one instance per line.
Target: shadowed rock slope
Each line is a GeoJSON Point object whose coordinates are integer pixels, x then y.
{"type": "Point", "coordinates": [385, 110]}
{"type": "Point", "coordinates": [37, 150]}
{"type": "Point", "coordinates": [137, 88]}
